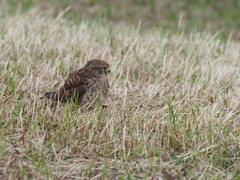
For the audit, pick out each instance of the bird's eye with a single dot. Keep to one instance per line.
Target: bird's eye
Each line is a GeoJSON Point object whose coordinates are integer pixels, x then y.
{"type": "Point", "coordinates": [107, 70]}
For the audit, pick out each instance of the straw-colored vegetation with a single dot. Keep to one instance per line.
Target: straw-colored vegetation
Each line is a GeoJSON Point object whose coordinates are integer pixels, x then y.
{"type": "Point", "coordinates": [174, 108]}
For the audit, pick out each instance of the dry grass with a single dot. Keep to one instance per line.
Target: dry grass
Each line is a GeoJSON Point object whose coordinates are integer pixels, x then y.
{"type": "Point", "coordinates": [174, 103]}
{"type": "Point", "coordinates": [210, 15]}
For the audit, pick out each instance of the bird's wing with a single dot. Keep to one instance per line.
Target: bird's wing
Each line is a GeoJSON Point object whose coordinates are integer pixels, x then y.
{"type": "Point", "coordinates": [79, 82]}
{"type": "Point", "coordinates": [77, 79]}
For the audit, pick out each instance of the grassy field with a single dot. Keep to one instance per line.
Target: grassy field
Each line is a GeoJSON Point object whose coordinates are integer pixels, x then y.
{"type": "Point", "coordinates": [171, 15]}
{"type": "Point", "coordinates": [174, 110]}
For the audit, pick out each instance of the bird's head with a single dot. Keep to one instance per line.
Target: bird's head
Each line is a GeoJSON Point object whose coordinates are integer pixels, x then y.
{"type": "Point", "coordinates": [100, 65]}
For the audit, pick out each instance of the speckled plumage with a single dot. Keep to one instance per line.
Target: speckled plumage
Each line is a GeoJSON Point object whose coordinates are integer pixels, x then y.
{"type": "Point", "coordinates": [85, 85]}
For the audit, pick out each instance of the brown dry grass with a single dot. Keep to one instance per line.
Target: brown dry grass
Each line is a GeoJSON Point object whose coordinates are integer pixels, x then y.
{"type": "Point", "coordinates": [174, 103]}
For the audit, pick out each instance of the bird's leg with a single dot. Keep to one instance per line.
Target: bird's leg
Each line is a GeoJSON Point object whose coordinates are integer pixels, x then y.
{"type": "Point", "coordinates": [106, 100]}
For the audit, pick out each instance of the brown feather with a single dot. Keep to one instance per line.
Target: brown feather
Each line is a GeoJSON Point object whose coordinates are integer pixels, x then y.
{"type": "Point", "coordinates": [85, 84]}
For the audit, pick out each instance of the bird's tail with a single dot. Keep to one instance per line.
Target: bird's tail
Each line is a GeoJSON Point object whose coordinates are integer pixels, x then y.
{"type": "Point", "coordinates": [52, 95]}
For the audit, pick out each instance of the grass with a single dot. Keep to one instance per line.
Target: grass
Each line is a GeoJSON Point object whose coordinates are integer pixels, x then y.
{"type": "Point", "coordinates": [174, 107]}
{"type": "Point", "coordinates": [174, 15]}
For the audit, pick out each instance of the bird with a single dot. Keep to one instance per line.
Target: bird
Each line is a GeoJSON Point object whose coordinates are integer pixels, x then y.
{"type": "Point", "coordinates": [86, 85]}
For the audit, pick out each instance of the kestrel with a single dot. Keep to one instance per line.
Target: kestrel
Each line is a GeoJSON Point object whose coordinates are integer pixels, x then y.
{"type": "Point", "coordinates": [85, 85]}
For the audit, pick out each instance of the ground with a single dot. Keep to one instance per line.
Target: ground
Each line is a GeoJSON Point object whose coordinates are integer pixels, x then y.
{"type": "Point", "coordinates": [174, 109]}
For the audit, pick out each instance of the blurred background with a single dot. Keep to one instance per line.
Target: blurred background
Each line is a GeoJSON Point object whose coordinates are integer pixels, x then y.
{"type": "Point", "coordinates": [172, 15]}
